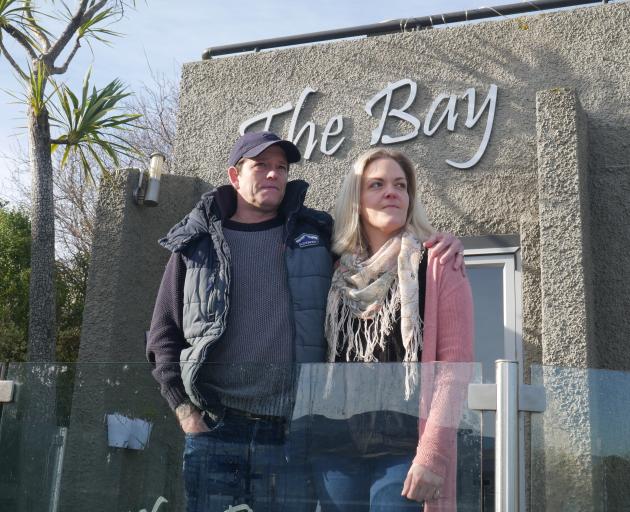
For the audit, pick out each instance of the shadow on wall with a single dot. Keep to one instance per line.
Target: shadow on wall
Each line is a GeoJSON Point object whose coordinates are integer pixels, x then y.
{"type": "Point", "coordinates": [609, 185]}
{"type": "Point", "coordinates": [607, 110]}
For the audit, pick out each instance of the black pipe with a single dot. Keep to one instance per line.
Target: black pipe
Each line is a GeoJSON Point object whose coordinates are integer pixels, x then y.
{"type": "Point", "coordinates": [388, 27]}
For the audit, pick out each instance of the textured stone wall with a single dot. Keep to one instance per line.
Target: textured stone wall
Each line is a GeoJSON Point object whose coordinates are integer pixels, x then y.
{"type": "Point", "coordinates": [550, 202]}
{"type": "Point", "coordinates": [113, 375]}
{"type": "Point", "coordinates": [583, 49]}
{"type": "Point", "coordinates": [564, 216]}
{"type": "Point", "coordinates": [567, 309]}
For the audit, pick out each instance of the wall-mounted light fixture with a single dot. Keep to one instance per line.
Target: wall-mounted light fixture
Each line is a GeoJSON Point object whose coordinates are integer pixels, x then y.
{"type": "Point", "coordinates": [148, 190]}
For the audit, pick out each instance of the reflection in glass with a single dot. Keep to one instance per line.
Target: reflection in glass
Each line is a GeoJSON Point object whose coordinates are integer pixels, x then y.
{"type": "Point", "coordinates": [581, 443]}
{"type": "Point", "coordinates": [487, 287]}
{"type": "Point", "coordinates": [56, 453]}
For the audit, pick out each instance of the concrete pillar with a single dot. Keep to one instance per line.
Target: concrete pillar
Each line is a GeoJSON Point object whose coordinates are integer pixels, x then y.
{"type": "Point", "coordinates": [566, 474]}
{"type": "Point", "coordinates": [563, 202]}
{"type": "Point", "coordinates": [112, 373]}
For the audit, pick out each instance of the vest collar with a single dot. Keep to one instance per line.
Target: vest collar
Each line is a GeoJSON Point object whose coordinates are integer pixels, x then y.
{"type": "Point", "coordinates": [220, 203]}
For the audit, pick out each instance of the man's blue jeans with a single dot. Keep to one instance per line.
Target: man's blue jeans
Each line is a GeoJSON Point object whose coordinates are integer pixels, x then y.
{"type": "Point", "coordinates": [244, 464]}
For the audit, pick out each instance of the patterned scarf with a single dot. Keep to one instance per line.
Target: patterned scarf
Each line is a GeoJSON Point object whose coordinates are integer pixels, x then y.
{"type": "Point", "coordinates": [372, 291]}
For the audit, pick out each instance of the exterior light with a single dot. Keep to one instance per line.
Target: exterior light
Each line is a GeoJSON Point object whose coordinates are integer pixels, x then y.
{"type": "Point", "coordinates": [148, 191]}
{"type": "Point", "coordinates": [155, 174]}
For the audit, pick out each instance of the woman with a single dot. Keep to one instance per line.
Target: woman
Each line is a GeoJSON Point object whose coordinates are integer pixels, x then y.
{"type": "Point", "coordinates": [390, 300]}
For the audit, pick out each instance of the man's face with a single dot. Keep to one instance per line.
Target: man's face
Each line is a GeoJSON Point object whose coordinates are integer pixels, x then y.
{"type": "Point", "coordinates": [262, 180]}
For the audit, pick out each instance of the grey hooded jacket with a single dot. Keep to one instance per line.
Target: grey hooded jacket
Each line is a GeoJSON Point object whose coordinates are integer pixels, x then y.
{"type": "Point", "coordinates": [206, 302]}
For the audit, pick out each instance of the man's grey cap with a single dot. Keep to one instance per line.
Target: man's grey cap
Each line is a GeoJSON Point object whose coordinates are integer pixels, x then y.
{"type": "Point", "coordinates": [254, 143]}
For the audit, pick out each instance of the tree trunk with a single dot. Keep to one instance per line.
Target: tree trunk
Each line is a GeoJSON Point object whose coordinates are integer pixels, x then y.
{"type": "Point", "coordinates": [41, 332]}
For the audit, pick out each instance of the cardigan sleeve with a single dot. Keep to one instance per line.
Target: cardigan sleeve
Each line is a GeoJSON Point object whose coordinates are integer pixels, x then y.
{"type": "Point", "coordinates": [444, 386]}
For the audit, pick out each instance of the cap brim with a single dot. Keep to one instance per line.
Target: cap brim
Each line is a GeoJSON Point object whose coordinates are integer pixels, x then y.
{"type": "Point", "coordinates": [290, 150]}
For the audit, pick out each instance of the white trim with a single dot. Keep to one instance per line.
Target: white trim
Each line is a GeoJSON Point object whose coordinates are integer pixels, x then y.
{"type": "Point", "coordinates": [510, 261]}
{"type": "Point", "coordinates": [491, 250]}
{"type": "Point", "coordinates": [511, 299]}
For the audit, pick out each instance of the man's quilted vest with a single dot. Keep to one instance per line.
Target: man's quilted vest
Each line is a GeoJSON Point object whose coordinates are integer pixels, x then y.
{"type": "Point", "coordinates": [206, 290]}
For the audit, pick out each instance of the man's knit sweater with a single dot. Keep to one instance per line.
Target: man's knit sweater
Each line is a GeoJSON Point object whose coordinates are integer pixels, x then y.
{"type": "Point", "coordinates": [253, 337]}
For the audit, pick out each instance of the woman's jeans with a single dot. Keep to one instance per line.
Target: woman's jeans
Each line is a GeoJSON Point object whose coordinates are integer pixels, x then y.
{"type": "Point", "coordinates": [247, 464]}
{"type": "Point", "coordinates": [353, 484]}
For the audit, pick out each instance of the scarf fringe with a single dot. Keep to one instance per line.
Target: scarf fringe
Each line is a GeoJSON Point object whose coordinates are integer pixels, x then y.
{"type": "Point", "coordinates": [363, 339]}
{"type": "Point", "coordinates": [367, 297]}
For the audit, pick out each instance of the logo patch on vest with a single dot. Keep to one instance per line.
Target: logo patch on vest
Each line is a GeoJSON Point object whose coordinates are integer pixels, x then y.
{"type": "Point", "coordinates": [306, 240]}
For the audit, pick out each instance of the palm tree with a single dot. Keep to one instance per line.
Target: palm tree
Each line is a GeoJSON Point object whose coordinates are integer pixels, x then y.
{"type": "Point", "coordinates": [81, 123]}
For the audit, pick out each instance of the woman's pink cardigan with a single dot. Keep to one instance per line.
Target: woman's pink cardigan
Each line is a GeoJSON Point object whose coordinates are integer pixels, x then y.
{"type": "Point", "coordinates": [447, 336]}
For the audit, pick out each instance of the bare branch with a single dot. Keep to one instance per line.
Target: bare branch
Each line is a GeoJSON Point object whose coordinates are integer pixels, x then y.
{"type": "Point", "coordinates": [41, 35]}
{"type": "Point", "coordinates": [76, 201]}
{"type": "Point", "coordinates": [21, 38]}
{"type": "Point", "coordinates": [158, 104]}
{"type": "Point", "coordinates": [61, 70]}
{"type": "Point", "coordinates": [93, 9]}
{"type": "Point", "coordinates": [14, 64]}
{"type": "Point", "coordinates": [82, 13]}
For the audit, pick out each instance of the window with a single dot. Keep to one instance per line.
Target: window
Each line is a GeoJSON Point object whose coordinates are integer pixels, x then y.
{"type": "Point", "coordinates": [494, 270]}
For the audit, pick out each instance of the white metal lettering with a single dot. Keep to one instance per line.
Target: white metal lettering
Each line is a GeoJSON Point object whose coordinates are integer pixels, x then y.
{"type": "Point", "coordinates": [334, 127]}
{"type": "Point", "coordinates": [328, 132]}
{"type": "Point", "coordinates": [450, 111]}
{"type": "Point", "coordinates": [471, 120]}
{"type": "Point", "coordinates": [400, 113]}
{"type": "Point", "coordinates": [310, 125]}
{"type": "Point", "coordinates": [267, 116]}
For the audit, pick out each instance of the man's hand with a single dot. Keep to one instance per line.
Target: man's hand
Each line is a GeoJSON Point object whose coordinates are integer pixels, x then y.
{"type": "Point", "coordinates": [448, 247]}
{"type": "Point", "coordinates": [190, 419]}
{"type": "Point", "coordinates": [422, 484]}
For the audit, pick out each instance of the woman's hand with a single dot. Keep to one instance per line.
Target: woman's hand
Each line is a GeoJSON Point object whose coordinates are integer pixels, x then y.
{"type": "Point", "coordinates": [422, 484]}
{"type": "Point", "coordinates": [448, 247]}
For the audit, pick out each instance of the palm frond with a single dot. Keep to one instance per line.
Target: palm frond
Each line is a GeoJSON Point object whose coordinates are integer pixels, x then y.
{"type": "Point", "coordinates": [22, 17]}
{"type": "Point", "coordinates": [91, 28]}
{"type": "Point", "coordinates": [93, 121]}
{"type": "Point", "coordinates": [35, 95]}
{"type": "Point", "coordinates": [12, 12]}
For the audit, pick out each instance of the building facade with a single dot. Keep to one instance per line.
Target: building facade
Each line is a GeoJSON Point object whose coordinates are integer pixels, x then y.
{"type": "Point", "coordinates": [520, 131]}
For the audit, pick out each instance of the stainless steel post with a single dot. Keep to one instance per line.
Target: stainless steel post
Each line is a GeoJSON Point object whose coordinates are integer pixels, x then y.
{"type": "Point", "coordinates": [506, 462]}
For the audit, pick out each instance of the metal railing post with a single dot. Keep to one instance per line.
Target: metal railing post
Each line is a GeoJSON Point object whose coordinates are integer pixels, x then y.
{"type": "Point", "coordinates": [508, 397]}
{"type": "Point", "coordinates": [506, 462]}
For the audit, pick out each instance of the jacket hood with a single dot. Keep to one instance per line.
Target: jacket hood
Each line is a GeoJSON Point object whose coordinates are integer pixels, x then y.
{"type": "Point", "coordinates": [218, 204]}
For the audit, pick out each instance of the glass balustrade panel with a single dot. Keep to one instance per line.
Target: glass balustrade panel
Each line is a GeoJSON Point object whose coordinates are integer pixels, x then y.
{"type": "Point", "coordinates": [580, 445]}
{"type": "Point", "coordinates": [272, 437]}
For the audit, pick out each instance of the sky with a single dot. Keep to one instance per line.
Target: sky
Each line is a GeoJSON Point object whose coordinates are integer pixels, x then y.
{"type": "Point", "coordinates": [159, 38]}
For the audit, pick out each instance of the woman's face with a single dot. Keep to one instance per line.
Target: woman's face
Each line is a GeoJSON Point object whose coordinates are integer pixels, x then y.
{"type": "Point", "coordinates": [384, 197]}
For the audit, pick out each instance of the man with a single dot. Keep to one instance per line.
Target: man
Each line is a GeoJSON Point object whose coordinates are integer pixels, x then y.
{"type": "Point", "coordinates": [247, 282]}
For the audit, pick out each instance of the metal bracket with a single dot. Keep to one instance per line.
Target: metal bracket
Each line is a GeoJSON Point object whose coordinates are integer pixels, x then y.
{"type": "Point", "coordinates": [483, 397]}
{"type": "Point", "coordinates": [532, 398]}
{"type": "Point", "coordinates": [6, 391]}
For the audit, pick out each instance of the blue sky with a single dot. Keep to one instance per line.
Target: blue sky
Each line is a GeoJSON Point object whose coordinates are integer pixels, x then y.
{"type": "Point", "coordinates": [162, 37]}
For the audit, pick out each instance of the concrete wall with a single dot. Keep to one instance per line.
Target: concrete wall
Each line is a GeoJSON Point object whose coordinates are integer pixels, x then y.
{"type": "Point", "coordinates": [527, 183]}
{"type": "Point", "coordinates": [584, 49]}
{"type": "Point", "coordinates": [113, 376]}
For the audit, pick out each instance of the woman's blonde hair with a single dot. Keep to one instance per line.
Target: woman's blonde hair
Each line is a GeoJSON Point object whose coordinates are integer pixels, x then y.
{"type": "Point", "coordinates": [348, 235]}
